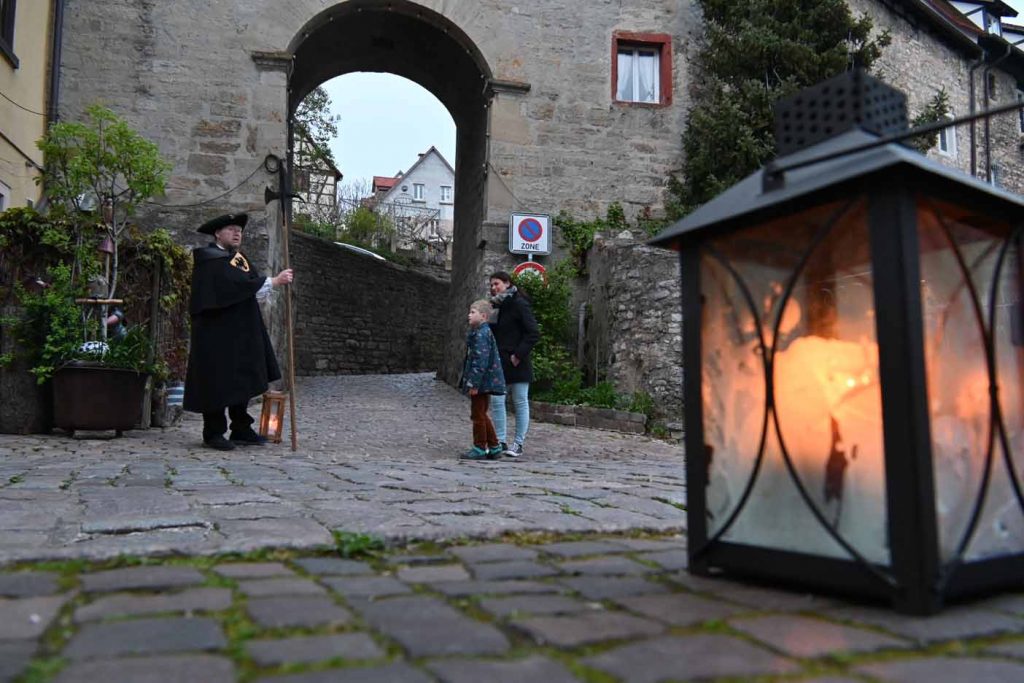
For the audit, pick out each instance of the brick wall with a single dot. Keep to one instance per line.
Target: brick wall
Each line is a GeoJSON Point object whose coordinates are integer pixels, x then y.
{"type": "Point", "coordinates": [357, 315]}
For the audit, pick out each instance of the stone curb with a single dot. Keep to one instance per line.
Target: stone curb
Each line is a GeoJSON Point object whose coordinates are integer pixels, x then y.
{"type": "Point", "coordinates": [590, 417]}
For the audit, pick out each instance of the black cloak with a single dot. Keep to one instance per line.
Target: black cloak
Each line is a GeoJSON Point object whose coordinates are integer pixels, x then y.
{"type": "Point", "coordinates": [230, 359]}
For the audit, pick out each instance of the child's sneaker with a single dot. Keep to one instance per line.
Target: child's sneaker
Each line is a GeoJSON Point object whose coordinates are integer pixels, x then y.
{"type": "Point", "coordinates": [475, 453]}
{"type": "Point", "coordinates": [515, 450]}
{"type": "Point", "coordinates": [495, 452]}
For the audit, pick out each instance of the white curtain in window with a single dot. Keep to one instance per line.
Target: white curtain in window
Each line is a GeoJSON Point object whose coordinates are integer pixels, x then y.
{"type": "Point", "coordinates": [624, 89]}
{"type": "Point", "coordinates": [647, 76]}
{"type": "Point", "coordinates": [638, 74]}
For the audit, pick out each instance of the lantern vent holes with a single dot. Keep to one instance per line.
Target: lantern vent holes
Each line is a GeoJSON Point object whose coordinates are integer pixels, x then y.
{"type": "Point", "coordinates": [851, 100]}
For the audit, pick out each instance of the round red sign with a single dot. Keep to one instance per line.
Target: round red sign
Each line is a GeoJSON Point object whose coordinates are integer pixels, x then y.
{"type": "Point", "coordinates": [532, 267]}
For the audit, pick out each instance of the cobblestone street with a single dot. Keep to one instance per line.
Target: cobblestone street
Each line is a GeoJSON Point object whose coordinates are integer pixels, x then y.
{"type": "Point", "coordinates": [377, 454]}
{"type": "Point", "coordinates": [149, 558]}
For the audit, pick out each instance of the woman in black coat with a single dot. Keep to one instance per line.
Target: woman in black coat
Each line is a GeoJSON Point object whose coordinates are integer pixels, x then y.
{"type": "Point", "coordinates": [516, 332]}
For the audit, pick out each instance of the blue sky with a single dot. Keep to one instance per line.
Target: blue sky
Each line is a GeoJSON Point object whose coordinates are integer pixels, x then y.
{"type": "Point", "coordinates": [386, 120]}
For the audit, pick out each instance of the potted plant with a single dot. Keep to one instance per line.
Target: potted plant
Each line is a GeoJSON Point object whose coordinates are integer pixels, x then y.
{"type": "Point", "coordinates": [30, 244]}
{"type": "Point", "coordinates": [98, 172]}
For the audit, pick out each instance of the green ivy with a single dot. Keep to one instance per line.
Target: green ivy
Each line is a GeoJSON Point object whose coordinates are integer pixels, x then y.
{"type": "Point", "coordinates": [143, 252]}
{"type": "Point", "coordinates": [552, 363]}
{"type": "Point", "coordinates": [578, 235]}
{"type": "Point", "coordinates": [29, 244]}
{"type": "Point", "coordinates": [936, 110]}
{"type": "Point", "coordinates": [53, 324]}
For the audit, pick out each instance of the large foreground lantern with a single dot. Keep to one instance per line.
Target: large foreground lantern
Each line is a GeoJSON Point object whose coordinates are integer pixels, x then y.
{"type": "Point", "coordinates": [854, 363]}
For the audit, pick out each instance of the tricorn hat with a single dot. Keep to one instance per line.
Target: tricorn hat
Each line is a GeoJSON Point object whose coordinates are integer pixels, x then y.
{"type": "Point", "coordinates": [212, 226]}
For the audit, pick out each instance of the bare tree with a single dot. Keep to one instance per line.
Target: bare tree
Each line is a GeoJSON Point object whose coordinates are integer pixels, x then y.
{"type": "Point", "coordinates": [354, 191]}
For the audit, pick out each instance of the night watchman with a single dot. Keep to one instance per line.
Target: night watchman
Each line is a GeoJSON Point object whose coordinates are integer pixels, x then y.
{"type": "Point", "coordinates": [230, 359]}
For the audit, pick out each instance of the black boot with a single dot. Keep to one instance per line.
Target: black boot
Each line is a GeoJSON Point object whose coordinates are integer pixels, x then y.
{"type": "Point", "coordinates": [219, 443]}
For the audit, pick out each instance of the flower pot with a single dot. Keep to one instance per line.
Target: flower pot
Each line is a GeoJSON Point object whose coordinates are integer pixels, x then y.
{"type": "Point", "coordinates": [91, 396]}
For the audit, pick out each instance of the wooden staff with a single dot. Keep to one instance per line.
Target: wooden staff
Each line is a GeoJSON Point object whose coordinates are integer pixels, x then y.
{"type": "Point", "coordinates": [269, 196]}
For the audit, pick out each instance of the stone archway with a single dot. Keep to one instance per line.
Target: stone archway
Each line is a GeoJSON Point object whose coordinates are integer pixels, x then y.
{"type": "Point", "coordinates": [409, 40]}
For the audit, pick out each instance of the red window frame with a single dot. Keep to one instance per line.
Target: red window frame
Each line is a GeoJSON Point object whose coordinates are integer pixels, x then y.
{"type": "Point", "coordinates": [662, 42]}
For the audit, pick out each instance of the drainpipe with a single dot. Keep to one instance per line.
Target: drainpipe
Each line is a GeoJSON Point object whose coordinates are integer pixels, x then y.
{"type": "Point", "coordinates": [971, 104]}
{"type": "Point", "coordinates": [52, 114]}
{"type": "Point", "coordinates": [988, 125]}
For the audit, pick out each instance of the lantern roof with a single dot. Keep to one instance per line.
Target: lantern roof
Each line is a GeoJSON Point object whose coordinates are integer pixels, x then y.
{"type": "Point", "coordinates": [764, 194]}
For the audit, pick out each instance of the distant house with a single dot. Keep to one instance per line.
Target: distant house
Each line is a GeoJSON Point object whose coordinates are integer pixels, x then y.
{"type": "Point", "coordinates": [315, 180]}
{"type": "Point", "coordinates": [421, 201]}
{"type": "Point", "coordinates": [382, 184]}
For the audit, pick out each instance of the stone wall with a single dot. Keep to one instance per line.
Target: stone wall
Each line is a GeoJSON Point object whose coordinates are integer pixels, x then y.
{"type": "Point", "coordinates": [634, 320]}
{"type": "Point", "coordinates": [921, 61]}
{"type": "Point", "coordinates": [357, 315]}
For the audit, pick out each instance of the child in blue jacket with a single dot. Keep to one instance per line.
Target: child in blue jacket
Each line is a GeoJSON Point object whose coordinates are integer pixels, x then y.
{"type": "Point", "coordinates": [481, 377]}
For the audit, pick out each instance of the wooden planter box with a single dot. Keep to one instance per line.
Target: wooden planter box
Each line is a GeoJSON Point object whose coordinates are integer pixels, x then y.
{"type": "Point", "coordinates": [92, 397]}
{"type": "Point", "coordinates": [587, 416]}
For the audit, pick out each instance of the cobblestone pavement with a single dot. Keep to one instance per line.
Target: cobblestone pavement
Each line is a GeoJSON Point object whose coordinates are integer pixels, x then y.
{"type": "Point", "coordinates": [601, 609]}
{"type": "Point", "coordinates": [377, 454]}
{"type": "Point", "coordinates": [594, 600]}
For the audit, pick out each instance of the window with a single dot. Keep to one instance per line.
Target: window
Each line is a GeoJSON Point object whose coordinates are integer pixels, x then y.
{"type": "Point", "coordinates": [301, 180]}
{"type": "Point", "coordinates": [992, 24]}
{"type": "Point", "coordinates": [995, 176]}
{"type": "Point", "coordinates": [947, 140]}
{"type": "Point", "coordinates": [446, 193]}
{"type": "Point", "coordinates": [5, 197]}
{"type": "Point", "coordinates": [417, 191]}
{"type": "Point", "coordinates": [642, 68]}
{"type": "Point", "coordinates": [7, 31]}
{"type": "Point", "coordinates": [1020, 112]}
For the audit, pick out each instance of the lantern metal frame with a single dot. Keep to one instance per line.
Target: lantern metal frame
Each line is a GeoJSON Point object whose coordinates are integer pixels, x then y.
{"type": "Point", "coordinates": [273, 406]}
{"type": "Point", "coordinates": [892, 178]}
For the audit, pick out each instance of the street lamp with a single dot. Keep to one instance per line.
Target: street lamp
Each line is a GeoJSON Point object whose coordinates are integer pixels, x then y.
{"type": "Point", "coordinates": [854, 363]}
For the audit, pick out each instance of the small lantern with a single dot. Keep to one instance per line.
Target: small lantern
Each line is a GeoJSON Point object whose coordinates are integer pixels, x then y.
{"type": "Point", "coordinates": [272, 415]}
{"type": "Point", "coordinates": [854, 364]}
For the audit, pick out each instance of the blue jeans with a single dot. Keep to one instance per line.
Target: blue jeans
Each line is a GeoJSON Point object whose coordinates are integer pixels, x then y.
{"type": "Point", "coordinates": [520, 393]}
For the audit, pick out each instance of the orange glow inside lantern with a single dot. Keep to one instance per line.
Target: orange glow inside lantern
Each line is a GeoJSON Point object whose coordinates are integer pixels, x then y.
{"type": "Point", "coordinates": [792, 385]}
{"type": "Point", "coordinates": [272, 416]}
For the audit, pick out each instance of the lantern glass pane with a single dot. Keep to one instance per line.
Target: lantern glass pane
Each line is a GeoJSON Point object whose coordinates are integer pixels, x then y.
{"type": "Point", "coordinates": [810, 287]}
{"type": "Point", "coordinates": [971, 284]}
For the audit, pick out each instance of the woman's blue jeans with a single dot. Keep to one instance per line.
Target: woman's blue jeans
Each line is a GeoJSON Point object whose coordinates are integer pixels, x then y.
{"type": "Point", "coordinates": [520, 393]}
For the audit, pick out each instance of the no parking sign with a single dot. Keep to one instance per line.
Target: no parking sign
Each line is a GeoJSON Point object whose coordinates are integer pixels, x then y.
{"type": "Point", "coordinates": [529, 233]}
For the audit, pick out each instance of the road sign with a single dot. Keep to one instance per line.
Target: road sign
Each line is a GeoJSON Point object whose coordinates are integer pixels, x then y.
{"type": "Point", "coordinates": [529, 233]}
{"type": "Point", "coordinates": [530, 267]}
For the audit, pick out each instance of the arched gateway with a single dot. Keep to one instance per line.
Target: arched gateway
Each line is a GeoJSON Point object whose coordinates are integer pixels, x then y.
{"type": "Point", "coordinates": [555, 108]}
{"type": "Point", "coordinates": [424, 46]}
